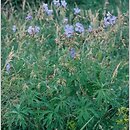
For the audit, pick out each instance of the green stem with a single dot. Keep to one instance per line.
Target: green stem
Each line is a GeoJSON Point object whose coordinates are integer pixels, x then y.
{"type": "Point", "coordinates": [87, 123]}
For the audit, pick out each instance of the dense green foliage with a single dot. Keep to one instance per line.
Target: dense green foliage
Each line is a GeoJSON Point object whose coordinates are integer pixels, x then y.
{"type": "Point", "coordinates": [47, 89]}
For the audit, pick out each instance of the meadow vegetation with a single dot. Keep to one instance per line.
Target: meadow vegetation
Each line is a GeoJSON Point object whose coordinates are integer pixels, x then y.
{"type": "Point", "coordinates": [65, 66]}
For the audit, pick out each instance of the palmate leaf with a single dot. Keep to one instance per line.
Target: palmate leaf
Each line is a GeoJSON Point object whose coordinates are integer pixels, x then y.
{"type": "Point", "coordinates": [60, 103]}
{"type": "Point", "coordinates": [52, 119]}
{"type": "Point", "coordinates": [84, 110]}
{"type": "Point", "coordinates": [103, 95]}
{"type": "Point", "coordinates": [18, 116]}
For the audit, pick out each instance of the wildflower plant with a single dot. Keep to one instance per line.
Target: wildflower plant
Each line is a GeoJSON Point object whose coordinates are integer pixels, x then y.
{"type": "Point", "coordinates": [56, 3]}
{"type": "Point", "coordinates": [33, 30]}
{"type": "Point", "coordinates": [47, 10]}
{"type": "Point", "coordinates": [63, 3]}
{"type": "Point", "coordinates": [69, 30]}
{"type": "Point", "coordinates": [76, 11]}
{"type": "Point", "coordinates": [8, 67]}
{"type": "Point", "coordinates": [29, 17]}
{"type": "Point", "coordinates": [79, 27]}
{"type": "Point", "coordinates": [53, 77]}
{"type": "Point", "coordinates": [14, 28]}
{"type": "Point", "coordinates": [109, 20]}
{"type": "Point", "coordinates": [72, 52]}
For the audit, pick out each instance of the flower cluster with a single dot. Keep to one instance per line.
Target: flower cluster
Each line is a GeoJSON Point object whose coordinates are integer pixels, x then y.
{"type": "Point", "coordinates": [69, 30]}
{"type": "Point", "coordinates": [33, 30]}
{"type": "Point", "coordinates": [109, 19]}
{"type": "Point", "coordinates": [58, 4]}
{"type": "Point", "coordinates": [47, 11]}
{"type": "Point", "coordinates": [79, 28]}
{"type": "Point", "coordinates": [76, 11]}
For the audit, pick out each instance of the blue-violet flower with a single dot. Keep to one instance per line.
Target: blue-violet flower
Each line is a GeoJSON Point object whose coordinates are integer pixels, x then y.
{"type": "Point", "coordinates": [29, 17]}
{"type": "Point", "coordinates": [76, 11]}
{"type": "Point", "coordinates": [33, 30]}
{"type": "Point", "coordinates": [69, 30]}
{"type": "Point", "coordinates": [8, 67]}
{"type": "Point", "coordinates": [109, 19]}
{"type": "Point", "coordinates": [79, 28]}
{"type": "Point", "coordinates": [72, 53]}
{"type": "Point", "coordinates": [45, 7]}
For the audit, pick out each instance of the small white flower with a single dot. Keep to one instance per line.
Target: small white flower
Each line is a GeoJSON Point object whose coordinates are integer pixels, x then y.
{"type": "Point", "coordinates": [65, 20]}
{"type": "Point", "coordinates": [56, 3]}
{"type": "Point", "coordinates": [14, 28]}
{"type": "Point", "coordinates": [108, 14]}
{"type": "Point", "coordinates": [63, 3]}
{"type": "Point", "coordinates": [49, 12]}
{"type": "Point", "coordinates": [76, 11]}
{"type": "Point", "coordinates": [90, 28]}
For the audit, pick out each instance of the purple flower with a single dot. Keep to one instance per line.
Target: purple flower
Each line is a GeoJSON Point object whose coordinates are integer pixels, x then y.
{"type": "Point", "coordinates": [106, 21]}
{"type": "Point", "coordinates": [8, 67]}
{"type": "Point", "coordinates": [113, 20]}
{"type": "Point", "coordinates": [109, 19]}
{"type": "Point", "coordinates": [33, 30]}
{"type": "Point", "coordinates": [56, 3]}
{"type": "Point", "coordinates": [72, 53]}
{"type": "Point", "coordinates": [79, 28]}
{"type": "Point", "coordinates": [76, 11]}
{"type": "Point", "coordinates": [29, 17]}
{"type": "Point", "coordinates": [37, 29]}
{"type": "Point", "coordinates": [63, 3]}
{"type": "Point", "coordinates": [90, 28]}
{"type": "Point", "coordinates": [45, 7]}
{"type": "Point", "coordinates": [49, 12]}
{"type": "Point", "coordinates": [14, 28]}
{"type": "Point", "coordinates": [69, 30]}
